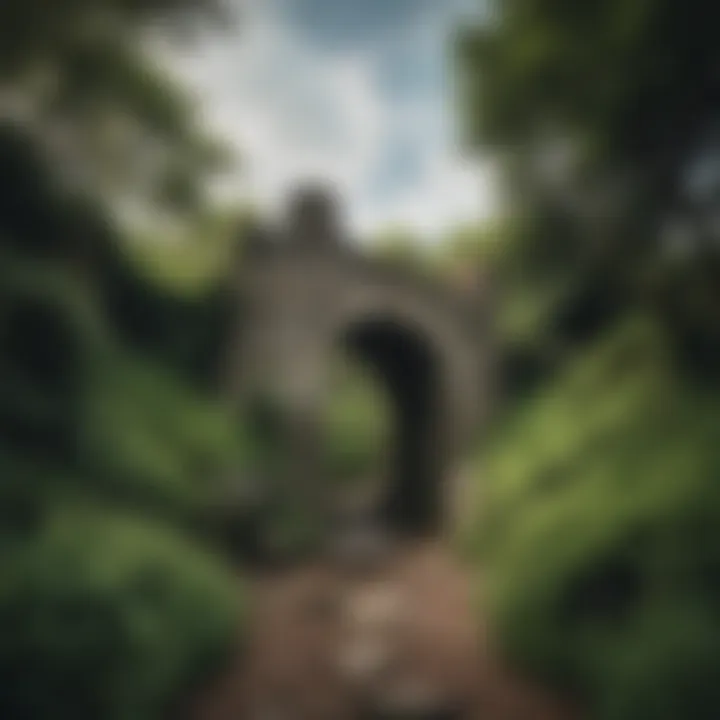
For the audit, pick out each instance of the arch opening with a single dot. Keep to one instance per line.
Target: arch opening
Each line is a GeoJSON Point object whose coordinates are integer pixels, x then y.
{"type": "Point", "coordinates": [409, 373]}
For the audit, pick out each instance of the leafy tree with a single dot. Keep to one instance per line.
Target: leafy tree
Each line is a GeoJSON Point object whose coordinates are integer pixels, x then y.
{"type": "Point", "coordinates": [598, 531]}
{"type": "Point", "coordinates": [603, 120]}
{"type": "Point", "coordinates": [113, 602]}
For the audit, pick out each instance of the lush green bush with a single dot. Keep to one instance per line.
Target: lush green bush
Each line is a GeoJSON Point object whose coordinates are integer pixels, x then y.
{"type": "Point", "coordinates": [107, 616]}
{"type": "Point", "coordinates": [600, 532]}
{"type": "Point", "coordinates": [110, 606]}
{"type": "Point", "coordinates": [74, 394]}
{"type": "Point", "coordinates": [148, 437]}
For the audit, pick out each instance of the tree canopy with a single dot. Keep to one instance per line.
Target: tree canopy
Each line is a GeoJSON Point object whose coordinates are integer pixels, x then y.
{"type": "Point", "coordinates": [601, 492]}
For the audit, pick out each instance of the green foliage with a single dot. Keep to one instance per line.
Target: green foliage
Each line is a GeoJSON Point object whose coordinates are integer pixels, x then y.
{"type": "Point", "coordinates": [194, 260]}
{"type": "Point", "coordinates": [540, 70]}
{"type": "Point", "coordinates": [357, 426]}
{"type": "Point", "coordinates": [599, 532]}
{"type": "Point", "coordinates": [399, 247]}
{"type": "Point", "coordinates": [599, 525]}
{"type": "Point", "coordinates": [601, 118]}
{"type": "Point", "coordinates": [111, 441]}
{"type": "Point", "coordinates": [105, 610]}
{"type": "Point", "coordinates": [148, 436]}
{"type": "Point", "coordinates": [106, 616]}
{"type": "Point", "coordinates": [82, 71]}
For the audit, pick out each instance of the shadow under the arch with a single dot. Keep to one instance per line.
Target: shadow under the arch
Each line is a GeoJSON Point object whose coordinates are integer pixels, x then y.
{"type": "Point", "coordinates": [410, 374]}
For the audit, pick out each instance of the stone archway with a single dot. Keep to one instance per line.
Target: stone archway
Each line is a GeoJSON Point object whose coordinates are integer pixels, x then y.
{"type": "Point", "coordinates": [306, 292]}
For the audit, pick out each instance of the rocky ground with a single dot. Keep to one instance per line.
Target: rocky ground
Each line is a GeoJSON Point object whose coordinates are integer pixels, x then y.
{"type": "Point", "coordinates": [393, 637]}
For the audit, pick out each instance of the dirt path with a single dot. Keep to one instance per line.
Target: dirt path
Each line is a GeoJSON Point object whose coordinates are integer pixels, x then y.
{"type": "Point", "coordinates": [396, 640]}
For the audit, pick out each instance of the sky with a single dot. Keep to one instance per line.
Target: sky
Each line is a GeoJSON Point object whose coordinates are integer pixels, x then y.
{"type": "Point", "coordinates": [357, 93]}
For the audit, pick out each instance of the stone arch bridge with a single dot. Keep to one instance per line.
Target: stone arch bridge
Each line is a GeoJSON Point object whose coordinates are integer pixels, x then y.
{"type": "Point", "coordinates": [304, 292]}
{"type": "Point", "coordinates": [395, 635]}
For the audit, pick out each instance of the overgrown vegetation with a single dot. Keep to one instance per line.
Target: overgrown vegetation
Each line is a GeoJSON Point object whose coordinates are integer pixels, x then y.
{"type": "Point", "coordinates": [114, 602]}
{"type": "Point", "coordinates": [358, 426]}
{"type": "Point", "coordinates": [598, 535]}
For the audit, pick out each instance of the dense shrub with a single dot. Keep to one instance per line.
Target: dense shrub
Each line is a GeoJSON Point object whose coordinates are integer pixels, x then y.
{"type": "Point", "coordinates": [600, 532]}
{"type": "Point", "coordinates": [107, 616]}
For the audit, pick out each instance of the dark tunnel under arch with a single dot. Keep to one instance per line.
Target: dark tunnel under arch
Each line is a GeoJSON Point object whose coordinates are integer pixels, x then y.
{"type": "Point", "coordinates": [409, 371]}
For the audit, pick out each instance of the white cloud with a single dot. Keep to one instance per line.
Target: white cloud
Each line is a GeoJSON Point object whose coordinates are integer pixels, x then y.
{"type": "Point", "coordinates": [294, 112]}
{"type": "Point", "coordinates": [454, 193]}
